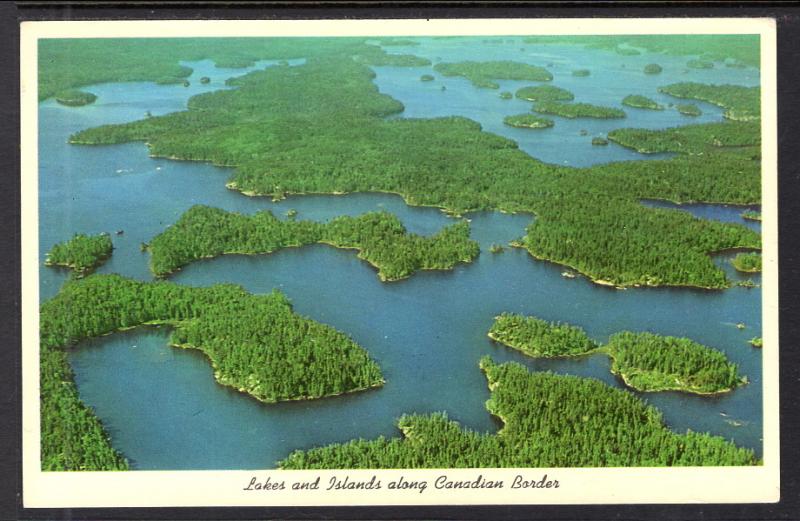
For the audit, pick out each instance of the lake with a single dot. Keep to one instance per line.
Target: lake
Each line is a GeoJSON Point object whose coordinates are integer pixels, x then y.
{"type": "Point", "coordinates": [162, 406]}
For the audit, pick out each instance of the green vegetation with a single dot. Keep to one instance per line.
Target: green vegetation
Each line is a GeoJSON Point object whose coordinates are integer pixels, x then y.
{"type": "Point", "coordinates": [757, 342]}
{"type": "Point", "coordinates": [688, 109]}
{"type": "Point", "coordinates": [496, 248]}
{"type": "Point", "coordinates": [380, 238]}
{"type": "Point", "coordinates": [549, 421]}
{"type": "Point", "coordinates": [205, 79]}
{"type": "Point", "coordinates": [320, 128]}
{"type": "Point", "coordinates": [481, 74]}
{"type": "Point", "coordinates": [400, 42]}
{"type": "Point", "coordinates": [641, 102]}
{"type": "Point", "coordinates": [75, 98]}
{"type": "Point", "coordinates": [255, 343]}
{"type": "Point", "coordinates": [700, 64]}
{"type": "Point", "coordinates": [700, 139]}
{"type": "Point", "coordinates": [646, 362]}
{"type": "Point", "coordinates": [751, 215]}
{"type": "Point", "coordinates": [652, 68]}
{"type": "Point", "coordinates": [581, 73]}
{"type": "Point", "coordinates": [747, 283]}
{"type": "Point", "coordinates": [742, 49]}
{"type": "Point", "coordinates": [577, 110]}
{"type": "Point", "coordinates": [427, 77]}
{"type": "Point", "coordinates": [527, 121]}
{"type": "Point", "coordinates": [539, 338]}
{"type": "Point", "coordinates": [599, 141]}
{"type": "Point", "coordinates": [544, 93]}
{"type": "Point", "coordinates": [82, 253]}
{"type": "Point", "coordinates": [747, 262]}
{"type": "Point", "coordinates": [506, 95]}
{"type": "Point", "coordinates": [627, 51]}
{"type": "Point", "coordinates": [649, 362]}
{"type": "Point", "coordinates": [740, 103]}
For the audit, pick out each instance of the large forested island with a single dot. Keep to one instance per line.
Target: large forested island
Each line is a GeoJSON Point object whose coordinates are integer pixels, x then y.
{"type": "Point", "coordinates": [549, 421]}
{"type": "Point", "coordinates": [577, 110]}
{"type": "Point", "coordinates": [527, 121]}
{"type": "Point", "coordinates": [483, 74]}
{"type": "Point", "coordinates": [379, 237]}
{"type": "Point", "coordinates": [646, 362]}
{"type": "Point", "coordinates": [740, 103]}
{"type": "Point", "coordinates": [321, 142]}
{"type": "Point", "coordinates": [255, 343]}
{"type": "Point", "coordinates": [544, 93]}
{"type": "Point", "coordinates": [83, 253]}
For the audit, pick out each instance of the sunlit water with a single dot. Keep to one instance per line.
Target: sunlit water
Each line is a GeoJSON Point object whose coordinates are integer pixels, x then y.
{"type": "Point", "coordinates": [162, 406]}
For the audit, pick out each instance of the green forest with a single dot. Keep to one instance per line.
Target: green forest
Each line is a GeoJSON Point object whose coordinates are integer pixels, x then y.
{"type": "Point", "coordinates": [255, 343]}
{"type": "Point", "coordinates": [652, 68]}
{"type": "Point", "coordinates": [482, 74]}
{"type": "Point", "coordinates": [641, 102]}
{"type": "Point", "coordinates": [740, 103]}
{"type": "Point", "coordinates": [82, 253]}
{"type": "Point", "coordinates": [747, 262]}
{"type": "Point", "coordinates": [577, 110]}
{"type": "Point", "coordinates": [320, 128]}
{"type": "Point", "coordinates": [702, 138]}
{"type": "Point", "coordinates": [688, 109]}
{"type": "Point", "coordinates": [539, 338]}
{"type": "Point", "coordinates": [380, 238]}
{"type": "Point", "coordinates": [544, 93]}
{"type": "Point", "coordinates": [75, 98]}
{"type": "Point", "coordinates": [751, 215]}
{"type": "Point", "coordinates": [645, 361]}
{"type": "Point", "coordinates": [527, 121]}
{"type": "Point", "coordinates": [549, 420]}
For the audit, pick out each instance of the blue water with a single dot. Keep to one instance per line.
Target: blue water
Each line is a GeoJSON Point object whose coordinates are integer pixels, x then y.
{"type": "Point", "coordinates": [162, 406]}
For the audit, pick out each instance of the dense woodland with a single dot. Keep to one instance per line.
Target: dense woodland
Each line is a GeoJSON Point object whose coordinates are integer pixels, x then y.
{"type": "Point", "coordinates": [482, 74]}
{"type": "Point", "coordinates": [641, 102]}
{"type": "Point", "coordinates": [320, 128]}
{"type": "Point", "coordinates": [544, 93]}
{"type": "Point", "coordinates": [527, 121]}
{"type": "Point", "coordinates": [747, 262]}
{"type": "Point", "coordinates": [688, 109]}
{"type": "Point", "coordinates": [646, 362]}
{"type": "Point", "coordinates": [649, 362]}
{"type": "Point", "coordinates": [691, 139]}
{"type": "Point", "coordinates": [740, 103]}
{"type": "Point", "coordinates": [536, 337]}
{"type": "Point", "coordinates": [255, 343]}
{"type": "Point", "coordinates": [83, 253]}
{"type": "Point", "coordinates": [549, 421]}
{"type": "Point", "coordinates": [652, 68]}
{"type": "Point", "coordinates": [380, 238]}
{"type": "Point", "coordinates": [577, 110]}
{"type": "Point", "coordinates": [75, 98]}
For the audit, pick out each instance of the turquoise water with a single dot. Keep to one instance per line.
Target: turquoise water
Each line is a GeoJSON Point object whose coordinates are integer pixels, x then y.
{"type": "Point", "coordinates": [162, 406]}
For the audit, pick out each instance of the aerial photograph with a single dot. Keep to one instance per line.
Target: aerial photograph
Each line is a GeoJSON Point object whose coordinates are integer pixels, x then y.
{"type": "Point", "coordinates": [404, 252]}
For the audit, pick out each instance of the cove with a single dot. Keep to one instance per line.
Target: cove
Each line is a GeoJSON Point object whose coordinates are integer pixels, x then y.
{"type": "Point", "coordinates": [162, 406]}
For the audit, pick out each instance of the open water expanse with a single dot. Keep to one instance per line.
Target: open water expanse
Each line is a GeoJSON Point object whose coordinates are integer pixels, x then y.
{"type": "Point", "coordinates": [162, 406]}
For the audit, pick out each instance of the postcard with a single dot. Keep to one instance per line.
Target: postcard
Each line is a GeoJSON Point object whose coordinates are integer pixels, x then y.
{"type": "Point", "coordinates": [406, 262]}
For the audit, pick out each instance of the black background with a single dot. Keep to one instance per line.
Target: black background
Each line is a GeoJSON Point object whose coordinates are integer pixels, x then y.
{"type": "Point", "coordinates": [787, 17]}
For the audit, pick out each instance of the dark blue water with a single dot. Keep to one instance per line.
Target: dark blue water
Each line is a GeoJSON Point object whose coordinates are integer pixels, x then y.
{"type": "Point", "coordinates": [164, 409]}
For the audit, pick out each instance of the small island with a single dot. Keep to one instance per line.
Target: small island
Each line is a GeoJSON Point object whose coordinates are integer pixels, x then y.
{"type": "Point", "coordinates": [550, 420]}
{"type": "Point", "coordinates": [646, 362]}
{"type": "Point", "coordinates": [751, 215]}
{"type": "Point", "coordinates": [756, 342]}
{"type": "Point", "coordinates": [75, 98]}
{"type": "Point", "coordinates": [652, 68]}
{"type": "Point", "coordinates": [380, 238]}
{"type": "Point", "coordinates": [641, 102]}
{"type": "Point", "coordinates": [688, 109]}
{"type": "Point", "coordinates": [747, 262]}
{"type": "Point", "coordinates": [506, 95]}
{"type": "Point", "coordinates": [82, 253]}
{"type": "Point", "coordinates": [482, 74]}
{"type": "Point", "coordinates": [599, 141]}
{"type": "Point", "coordinates": [578, 110]}
{"type": "Point", "coordinates": [205, 79]}
{"type": "Point", "coordinates": [700, 64]}
{"type": "Point", "coordinates": [740, 103]}
{"type": "Point", "coordinates": [581, 73]}
{"type": "Point", "coordinates": [496, 248]}
{"type": "Point", "coordinates": [427, 77]}
{"type": "Point", "coordinates": [527, 121]}
{"type": "Point", "coordinates": [544, 93]}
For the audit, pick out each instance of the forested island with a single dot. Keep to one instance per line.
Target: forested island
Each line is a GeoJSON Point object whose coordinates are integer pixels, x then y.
{"type": "Point", "coordinates": [82, 253]}
{"type": "Point", "coordinates": [527, 121]}
{"type": "Point", "coordinates": [255, 343]}
{"type": "Point", "coordinates": [321, 142]}
{"type": "Point", "coordinates": [482, 74]}
{"type": "Point", "coordinates": [740, 103]}
{"type": "Point", "coordinates": [75, 98]}
{"type": "Point", "coordinates": [700, 64]}
{"type": "Point", "coordinates": [747, 262]}
{"type": "Point", "coordinates": [751, 215]}
{"type": "Point", "coordinates": [688, 109]}
{"type": "Point", "coordinates": [652, 68]}
{"type": "Point", "coordinates": [549, 421]}
{"type": "Point", "coordinates": [641, 102]}
{"type": "Point", "coordinates": [506, 95]}
{"type": "Point", "coordinates": [577, 110]}
{"type": "Point", "coordinates": [581, 73]}
{"type": "Point", "coordinates": [599, 141]}
{"type": "Point", "coordinates": [701, 139]}
{"type": "Point", "coordinates": [380, 238]}
{"type": "Point", "coordinates": [646, 362]}
{"type": "Point", "coordinates": [427, 77]}
{"type": "Point", "coordinates": [544, 93]}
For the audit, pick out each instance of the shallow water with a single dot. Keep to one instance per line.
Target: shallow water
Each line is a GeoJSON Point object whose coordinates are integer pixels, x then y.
{"type": "Point", "coordinates": [162, 406]}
